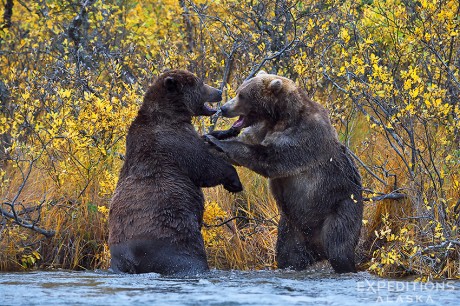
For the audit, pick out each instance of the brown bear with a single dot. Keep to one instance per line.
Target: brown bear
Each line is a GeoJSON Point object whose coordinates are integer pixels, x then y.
{"type": "Point", "coordinates": [156, 212]}
{"type": "Point", "coordinates": [316, 185]}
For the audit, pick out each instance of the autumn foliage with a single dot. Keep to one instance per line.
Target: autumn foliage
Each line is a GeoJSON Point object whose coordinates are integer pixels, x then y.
{"type": "Point", "coordinates": [73, 73]}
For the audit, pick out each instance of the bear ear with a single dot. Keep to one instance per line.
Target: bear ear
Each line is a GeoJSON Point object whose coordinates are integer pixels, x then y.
{"type": "Point", "coordinates": [261, 72]}
{"type": "Point", "coordinates": [275, 86]}
{"type": "Point", "coordinates": [170, 83]}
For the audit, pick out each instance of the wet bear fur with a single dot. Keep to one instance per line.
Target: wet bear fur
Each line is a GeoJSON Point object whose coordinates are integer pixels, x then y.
{"type": "Point", "coordinates": [289, 139]}
{"type": "Point", "coordinates": [156, 212]}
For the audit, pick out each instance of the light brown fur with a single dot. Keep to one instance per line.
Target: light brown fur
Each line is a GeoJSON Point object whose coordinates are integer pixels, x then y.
{"type": "Point", "coordinates": [290, 140]}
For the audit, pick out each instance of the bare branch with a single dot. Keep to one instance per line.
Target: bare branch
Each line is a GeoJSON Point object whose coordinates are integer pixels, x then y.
{"type": "Point", "coordinates": [290, 45]}
{"type": "Point", "coordinates": [188, 26]}
{"type": "Point", "coordinates": [445, 244]}
{"type": "Point", "coordinates": [389, 196]}
{"type": "Point", "coordinates": [7, 14]}
{"type": "Point", "coordinates": [228, 66]}
{"type": "Point", "coordinates": [366, 167]}
{"type": "Point", "coordinates": [14, 216]}
{"type": "Point", "coordinates": [241, 217]}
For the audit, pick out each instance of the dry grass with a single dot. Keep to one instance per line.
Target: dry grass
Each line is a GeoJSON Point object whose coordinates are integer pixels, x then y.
{"type": "Point", "coordinates": [80, 242]}
{"type": "Point", "coordinates": [80, 229]}
{"type": "Point", "coordinates": [248, 241]}
{"type": "Point", "coordinates": [247, 231]}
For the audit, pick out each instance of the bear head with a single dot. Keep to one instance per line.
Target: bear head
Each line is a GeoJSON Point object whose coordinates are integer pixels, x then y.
{"type": "Point", "coordinates": [181, 92]}
{"type": "Point", "coordinates": [264, 97]}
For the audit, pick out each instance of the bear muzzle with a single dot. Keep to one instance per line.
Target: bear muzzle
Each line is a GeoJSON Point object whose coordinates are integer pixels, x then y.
{"type": "Point", "coordinates": [214, 94]}
{"type": "Point", "coordinates": [228, 109]}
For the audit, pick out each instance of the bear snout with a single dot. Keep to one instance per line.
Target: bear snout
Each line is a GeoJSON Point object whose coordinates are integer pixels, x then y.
{"type": "Point", "coordinates": [224, 110]}
{"type": "Point", "coordinates": [228, 109]}
{"type": "Point", "coordinates": [214, 94]}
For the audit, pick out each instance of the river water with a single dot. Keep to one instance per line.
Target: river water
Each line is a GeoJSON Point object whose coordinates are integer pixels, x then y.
{"type": "Point", "coordinates": [317, 288]}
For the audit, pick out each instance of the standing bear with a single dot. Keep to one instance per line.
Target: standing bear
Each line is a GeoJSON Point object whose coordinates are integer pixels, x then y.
{"type": "Point", "coordinates": [156, 212]}
{"type": "Point", "coordinates": [316, 185]}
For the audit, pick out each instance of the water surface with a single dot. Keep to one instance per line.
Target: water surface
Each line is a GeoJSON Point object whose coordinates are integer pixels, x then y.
{"type": "Point", "coordinates": [221, 288]}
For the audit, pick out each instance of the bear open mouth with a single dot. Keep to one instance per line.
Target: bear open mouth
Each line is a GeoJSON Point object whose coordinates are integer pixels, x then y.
{"type": "Point", "coordinates": [239, 124]}
{"type": "Point", "coordinates": [208, 111]}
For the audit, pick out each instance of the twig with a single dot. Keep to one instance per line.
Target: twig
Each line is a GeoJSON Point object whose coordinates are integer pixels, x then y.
{"type": "Point", "coordinates": [389, 196]}
{"type": "Point", "coordinates": [457, 206]}
{"type": "Point", "coordinates": [228, 66]}
{"type": "Point", "coordinates": [293, 42]}
{"type": "Point", "coordinates": [21, 222]}
{"type": "Point", "coordinates": [7, 14]}
{"type": "Point", "coordinates": [188, 26]}
{"type": "Point", "coordinates": [444, 244]}
{"type": "Point", "coordinates": [24, 180]}
{"type": "Point", "coordinates": [439, 57]}
{"type": "Point", "coordinates": [240, 217]}
{"type": "Point", "coordinates": [366, 167]}
{"type": "Point", "coordinates": [13, 215]}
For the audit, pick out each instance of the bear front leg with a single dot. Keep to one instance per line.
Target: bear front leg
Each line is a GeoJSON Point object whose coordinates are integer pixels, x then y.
{"type": "Point", "coordinates": [232, 181]}
{"type": "Point", "coordinates": [254, 157]}
{"type": "Point", "coordinates": [215, 142]}
{"type": "Point", "coordinates": [292, 248]}
{"type": "Point", "coordinates": [220, 172]}
{"type": "Point", "coordinates": [203, 167]}
{"type": "Point", "coordinates": [221, 135]}
{"type": "Point", "coordinates": [271, 160]}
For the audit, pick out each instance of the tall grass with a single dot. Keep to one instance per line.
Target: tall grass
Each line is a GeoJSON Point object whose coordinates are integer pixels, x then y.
{"type": "Point", "coordinates": [240, 229]}
{"type": "Point", "coordinates": [80, 242]}
{"type": "Point", "coordinates": [246, 235]}
{"type": "Point", "coordinates": [80, 227]}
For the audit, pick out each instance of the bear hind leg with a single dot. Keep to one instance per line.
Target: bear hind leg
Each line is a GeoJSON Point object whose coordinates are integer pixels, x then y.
{"type": "Point", "coordinates": [159, 256]}
{"type": "Point", "coordinates": [339, 237]}
{"type": "Point", "coordinates": [291, 248]}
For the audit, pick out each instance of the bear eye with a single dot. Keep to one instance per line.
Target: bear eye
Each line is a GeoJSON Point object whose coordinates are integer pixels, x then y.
{"type": "Point", "coordinates": [241, 96]}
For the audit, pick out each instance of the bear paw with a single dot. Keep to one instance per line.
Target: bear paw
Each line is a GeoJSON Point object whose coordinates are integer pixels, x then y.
{"type": "Point", "coordinates": [214, 142]}
{"type": "Point", "coordinates": [233, 184]}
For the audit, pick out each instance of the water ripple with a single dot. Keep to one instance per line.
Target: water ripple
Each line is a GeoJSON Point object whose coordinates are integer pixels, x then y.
{"type": "Point", "coordinates": [220, 288]}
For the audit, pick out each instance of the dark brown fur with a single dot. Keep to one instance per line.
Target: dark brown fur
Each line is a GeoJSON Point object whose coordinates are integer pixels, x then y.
{"type": "Point", "coordinates": [156, 211]}
{"type": "Point", "coordinates": [316, 185]}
